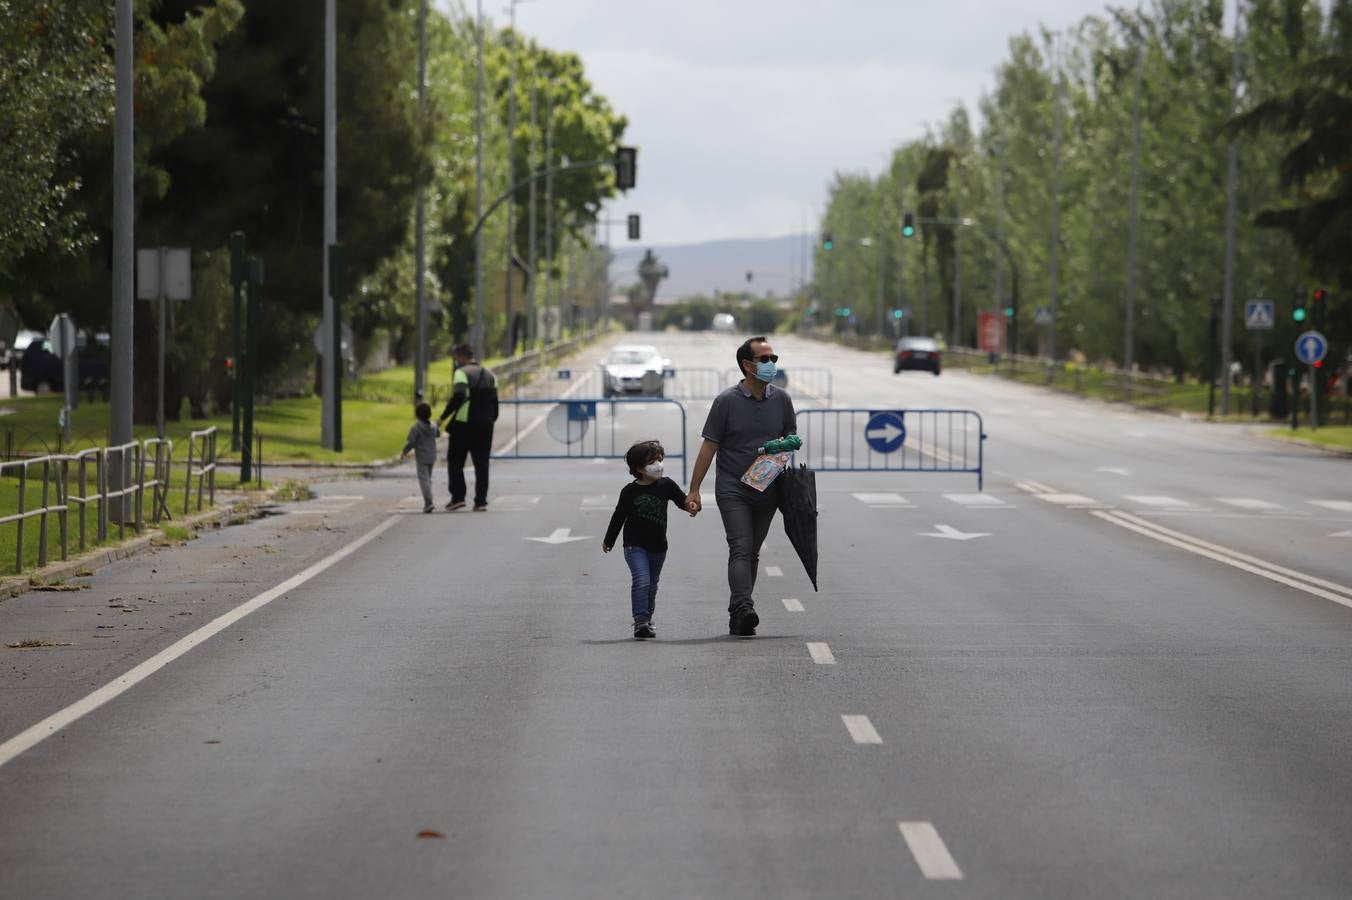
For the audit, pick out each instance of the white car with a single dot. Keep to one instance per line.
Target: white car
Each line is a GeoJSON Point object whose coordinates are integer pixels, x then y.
{"type": "Point", "coordinates": [634, 369]}
{"type": "Point", "coordinates": [725, 323]}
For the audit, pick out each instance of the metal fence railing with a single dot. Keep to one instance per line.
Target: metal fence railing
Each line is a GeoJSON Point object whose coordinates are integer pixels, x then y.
{"type": "Point", "coordinates": [53, 469]}
{"type": "Point", "coordinates": [202, 466]}
{"type": "Point", "coordinates": [589, 428]}
{"type": "Point", "coordinates": [158, 482]}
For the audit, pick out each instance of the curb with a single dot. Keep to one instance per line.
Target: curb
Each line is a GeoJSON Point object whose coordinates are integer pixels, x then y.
{"type": "Point", "coordinates": [15, 585]}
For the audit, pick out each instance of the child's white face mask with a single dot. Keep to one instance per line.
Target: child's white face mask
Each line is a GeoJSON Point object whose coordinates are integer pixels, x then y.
{"type": "Point", "coordinates": [653, 470]}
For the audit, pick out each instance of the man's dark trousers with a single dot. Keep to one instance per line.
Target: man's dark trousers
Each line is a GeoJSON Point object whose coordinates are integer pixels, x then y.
{"type": "Point", "coordinates": [476, 442]}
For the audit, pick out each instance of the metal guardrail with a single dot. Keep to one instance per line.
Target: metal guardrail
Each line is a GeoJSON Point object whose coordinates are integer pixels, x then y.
{"type": "Point", "coordinates": [814, 381]}
{"type": "Point", "coordinates": [159, 481]}
{"type": "Point", "coordinates": [53, 473]}
{"type": "Point", "coordinates": [576, 431]}
{"type": "Point", "coordinates": [203, 466]}
{"type": "Point", "coordinates": [895, 440]}
{"type": "Point", "coordinates": [1130, 387]}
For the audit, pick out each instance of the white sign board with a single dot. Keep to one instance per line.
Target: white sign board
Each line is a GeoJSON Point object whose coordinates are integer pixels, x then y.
{"type": "Point", "coordinates": [1044, 316]}
{"type": "Point", "coordinates": [173, 279]}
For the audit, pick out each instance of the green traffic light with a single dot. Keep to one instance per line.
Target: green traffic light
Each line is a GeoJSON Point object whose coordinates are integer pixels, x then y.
{"type": "Point", "coordinates": [898, 314]}
{"type": "Point", "coordinates": [908, 231]}
{"type": "Point", "coordinates": [1009, 312]}
{"type": "Point", "coordinates": [827, 245]}
{"type": "Point", "coordinates": [1298, 314]}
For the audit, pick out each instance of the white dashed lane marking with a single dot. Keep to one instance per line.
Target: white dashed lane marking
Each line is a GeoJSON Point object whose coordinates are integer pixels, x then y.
{"type": "Point", "coordinates": [774, 571]}
{"type": "Point", "coordinates": [821, 654]}
{"type": "Point", "coordinates": [930, 853]}
{"type": "Point", "coordinates": [861, 729]}
{"type": "Point", "coordinates": [1335, 505]}
{"type": "Point", "coordinates": [792, 605]}
{"type": "Point", "coordinates": [977, 500]}
{"type": "Point", "coordinates": [884, 501]}
{"type": "Point", "coordinates": [1158, 501]}
{"type": "Point", "coordinates": [1249, 503]}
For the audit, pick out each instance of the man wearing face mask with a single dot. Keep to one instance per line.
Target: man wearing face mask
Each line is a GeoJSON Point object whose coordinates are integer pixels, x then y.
{"type": "Point", "coordinates": [742, 419]}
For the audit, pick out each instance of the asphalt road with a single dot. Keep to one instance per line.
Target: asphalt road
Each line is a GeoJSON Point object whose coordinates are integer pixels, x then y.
{"type": "Point", "coordinates": [1121, 670]}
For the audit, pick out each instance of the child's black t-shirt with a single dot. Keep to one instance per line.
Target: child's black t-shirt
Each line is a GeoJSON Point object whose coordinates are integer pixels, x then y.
{"type": "Point", "coordinates": [642, 510]}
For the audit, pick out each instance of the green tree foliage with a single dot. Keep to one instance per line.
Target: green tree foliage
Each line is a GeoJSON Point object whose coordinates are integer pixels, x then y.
{"type": "Point", "coordinates": [1184, 52]}
{"type": "Point", "coordinates": [55, 86]}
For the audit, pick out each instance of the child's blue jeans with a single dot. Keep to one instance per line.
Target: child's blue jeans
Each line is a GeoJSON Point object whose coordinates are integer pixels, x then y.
{"type": "Point", "coordinates": [646, 568]}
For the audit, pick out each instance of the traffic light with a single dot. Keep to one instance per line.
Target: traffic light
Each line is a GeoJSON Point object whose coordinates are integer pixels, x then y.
{"type": "Point", "coordinates": [827, 243]}
{"type": "Point", "coordinates": [229, 367]}
{"type": "Point", "coordinates": [626, 167]}
{"type": "Point", "coordinates": [1009, 312]}
{"type": "Point", "coordinates": [843, 312]}
{"type": "Point", "coordinates": [1298, 310]}
{"type": "Point", "coordinates": [1318, 304]}
{"type": "Point", "coordinates": [633, 226]}
{"type": "Point", "coordinates": [898, 313]}
{"type": "Point", "coordinates": [748, 277]}
{"type": "Point", "coordinates": [907, 224]}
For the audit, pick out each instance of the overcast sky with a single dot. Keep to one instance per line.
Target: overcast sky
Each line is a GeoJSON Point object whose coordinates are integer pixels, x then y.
{"type": "Point", "coordinates": [743, 109]}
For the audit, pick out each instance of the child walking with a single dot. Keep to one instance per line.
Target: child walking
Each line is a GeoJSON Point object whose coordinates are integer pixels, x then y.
{"type": "Point", "coordinates": [642, 511]}
{"type": "Point", "coordinates": [422, 439]}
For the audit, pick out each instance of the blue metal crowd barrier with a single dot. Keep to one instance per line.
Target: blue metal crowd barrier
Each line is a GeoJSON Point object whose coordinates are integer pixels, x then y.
{"type": "Point", "coordinates": [581, 428]}
{"type": "Point", "coordinates": [893, 440]}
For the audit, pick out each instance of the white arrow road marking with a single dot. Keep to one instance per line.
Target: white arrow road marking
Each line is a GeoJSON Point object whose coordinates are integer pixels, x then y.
{"type": "Point", "coordinates": [930, 853]}
{"type": "Point", "coordinates": [888, 432]}
{"type": "Point", "coordinates": [1114, 470]}
{"type": "Point", "coordinates": [560, 536]}
{"type": "Point", "coordinates": [952, 534]}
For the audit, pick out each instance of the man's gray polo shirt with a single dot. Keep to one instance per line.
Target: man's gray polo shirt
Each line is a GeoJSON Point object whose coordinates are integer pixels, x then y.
{"type": "Point", "coordinates": [740, 425]}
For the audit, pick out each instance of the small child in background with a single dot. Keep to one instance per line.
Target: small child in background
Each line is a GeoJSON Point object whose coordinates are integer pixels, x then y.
{"type": "Point", "coordinates": [642, 511]}
{"type": "Point", "coordinates": [422, 440]}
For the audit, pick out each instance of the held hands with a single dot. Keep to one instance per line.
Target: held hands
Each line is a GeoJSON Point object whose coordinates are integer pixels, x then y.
{"type": "Point", "coordinates": [605, 548]}
{"type": "Point", "coordinates": [693, 504]}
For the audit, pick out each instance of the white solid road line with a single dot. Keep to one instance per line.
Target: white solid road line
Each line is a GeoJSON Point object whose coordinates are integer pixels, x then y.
{"type": "Point", "coordinates": [1248, 503]}
{"type": "Point", "coordinates": [861, 729]}
{"type": "Point", "coordinates": [1335, 505]}
{"type": "Point", "coordinates": [1158, 501]}
{"type": "Point", "coordinates": [774, 571]}
{"type": "Point", "coordinates": [792, 605]}
{"type": "Point", "coordinates": [821, 654]}
{"type": "Point", "coordinates": [80, 708]}
{"type": "Point", "coordinates": [1318, 587]}
{"type": "Point", "coordinates": [930, 853]}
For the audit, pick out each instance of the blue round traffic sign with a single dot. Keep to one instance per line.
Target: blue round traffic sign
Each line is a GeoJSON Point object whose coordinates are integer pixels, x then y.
{"type": "Point", "coordinates": [1311, 347]}
{"type": "Point", "coordinates": [885, 431]}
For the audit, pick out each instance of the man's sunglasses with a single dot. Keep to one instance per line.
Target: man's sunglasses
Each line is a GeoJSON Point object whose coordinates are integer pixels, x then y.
{"type": "Point", "coordinates": [769, 357]}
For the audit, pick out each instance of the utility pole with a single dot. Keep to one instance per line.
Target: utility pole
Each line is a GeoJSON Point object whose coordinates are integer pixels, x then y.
{"type": "Point", "coordinates": [477, 336]}
{"type": "Point", "coordinates": [420, 362]}
{"type": "Point", "coordinates": [509, 342]}
{"type": "Point", "coordinates": [1054, 251]}
{"type": "Point", "coordinates": [124, 249]}
{"type": "Point", "coordinates": [1010, 331]}
{"type": "Point", "coordinates": [901, 259]}
{"type": "Point", "coordinates": [549, 196]}
{"type": "Point", "coordinates": [1129, 350]}
{"type": "Point", "coordinates": [1231, 201]}
{"type": "Point", "coordinates": [328, 385]}
{"type": "Point", "coordinates": [534, 164]}
{"type": "Point", "coordinates": [882, 263]}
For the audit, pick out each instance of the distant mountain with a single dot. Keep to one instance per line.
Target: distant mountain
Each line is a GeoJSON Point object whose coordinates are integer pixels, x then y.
{"type": "Point", "coordinates": [775, 265]}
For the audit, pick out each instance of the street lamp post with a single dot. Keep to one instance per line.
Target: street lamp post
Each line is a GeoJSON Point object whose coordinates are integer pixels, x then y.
{"type": "Point", "coordinates": [124, 243]}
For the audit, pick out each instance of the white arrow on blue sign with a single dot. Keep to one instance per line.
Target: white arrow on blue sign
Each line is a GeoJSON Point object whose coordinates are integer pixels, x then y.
{"type": "Point", "coordinates": [1311, 347]}
{"type": "Point", "coordinates": [885, 432]}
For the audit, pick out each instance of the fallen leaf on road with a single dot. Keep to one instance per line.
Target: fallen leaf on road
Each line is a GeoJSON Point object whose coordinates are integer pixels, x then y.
{"type": "Point", "coordinates": [428, 833]}
{"type": "Point", "coordinates": [35, 643]}
{"type": "Point", "coordinates": [59, 587]}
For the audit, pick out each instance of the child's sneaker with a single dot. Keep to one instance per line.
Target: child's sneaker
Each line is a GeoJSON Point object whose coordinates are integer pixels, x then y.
{"type": "Point", "coordinates": [429, 508]}
{"type": "Point", "coordinates": [643, 630]}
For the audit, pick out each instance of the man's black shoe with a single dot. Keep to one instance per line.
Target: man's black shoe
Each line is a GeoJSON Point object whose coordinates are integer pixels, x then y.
{"type": "Point", "coordinates": [743, 623]}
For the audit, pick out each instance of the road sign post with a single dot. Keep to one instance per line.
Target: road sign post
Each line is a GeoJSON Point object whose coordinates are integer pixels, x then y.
{"type": "Point", "coordinates": [163, 273]}
{"type": "Point", "coordinates": [254, 271]}
{"type": "Point", "coordinates": [239, 276]}
{"type": "Point", "coordinates": [64, 346]}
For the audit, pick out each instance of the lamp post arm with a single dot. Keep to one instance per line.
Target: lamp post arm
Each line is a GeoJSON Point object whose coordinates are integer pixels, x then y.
{"type": "Point", "coordinates": [525, 182]}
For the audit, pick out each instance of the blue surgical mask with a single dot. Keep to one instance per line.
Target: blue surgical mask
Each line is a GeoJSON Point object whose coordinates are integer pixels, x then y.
{"type": "Point", "coordinates": [765, 371]}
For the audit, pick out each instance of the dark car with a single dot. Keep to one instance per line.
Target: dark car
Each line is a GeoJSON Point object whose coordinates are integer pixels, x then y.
{"type": "Point", "coordinates": [917, 353]}
{"type": "Point", "coordinates": [40, 369]}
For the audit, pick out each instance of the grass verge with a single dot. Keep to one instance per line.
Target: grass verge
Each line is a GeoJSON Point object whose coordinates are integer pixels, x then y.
{"type": "Point", "coordinates": [1337, 437]}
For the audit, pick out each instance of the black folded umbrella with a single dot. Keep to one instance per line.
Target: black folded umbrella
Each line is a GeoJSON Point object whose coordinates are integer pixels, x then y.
{"type": "Point", "coordinates": [798, 506]}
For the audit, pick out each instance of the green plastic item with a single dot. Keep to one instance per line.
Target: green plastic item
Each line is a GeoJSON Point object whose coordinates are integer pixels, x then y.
{"type": "Point", "coordinates": [787, 444]}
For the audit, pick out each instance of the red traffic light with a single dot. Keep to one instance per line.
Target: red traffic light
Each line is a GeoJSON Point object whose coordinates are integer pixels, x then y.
{"type": "Point", "coordinates": [229, 364]}
{"type": "Point", "coordinates": [1318, 295]}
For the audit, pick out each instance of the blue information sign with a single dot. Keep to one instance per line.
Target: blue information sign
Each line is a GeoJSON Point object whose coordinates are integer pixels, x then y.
{"type": "Point", "coordinates": [1311, 347]}
{"type": "Point", "coordinates": [885, 431]}
{"type": "Point", "coordinates": [581, 410]}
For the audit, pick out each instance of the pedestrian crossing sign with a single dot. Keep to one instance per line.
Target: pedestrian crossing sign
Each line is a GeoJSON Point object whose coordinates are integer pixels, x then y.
{"type": "Point", "coordinates": [1258, 315]}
